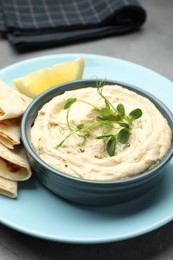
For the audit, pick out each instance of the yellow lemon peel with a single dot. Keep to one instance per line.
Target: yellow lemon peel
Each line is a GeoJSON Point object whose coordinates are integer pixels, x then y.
{"type": "Point", "coordinates": [37, 82]}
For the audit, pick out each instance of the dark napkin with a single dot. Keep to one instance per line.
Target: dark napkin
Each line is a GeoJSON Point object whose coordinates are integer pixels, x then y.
{"type": "Point", "coordinates": [41, 23]}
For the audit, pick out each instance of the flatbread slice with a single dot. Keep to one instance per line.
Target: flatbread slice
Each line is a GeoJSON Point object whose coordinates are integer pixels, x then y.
{"type": "Point", "coordinates": [14, 164]}
{"type": "Point", "coordinates": [8, 188]}
{"type": "Point", "coordinates": [10, 132]}
{"type": "Point", "coordinates": [12, 103]}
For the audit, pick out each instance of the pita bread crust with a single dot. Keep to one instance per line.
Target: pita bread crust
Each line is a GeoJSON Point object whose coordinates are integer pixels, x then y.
{"type": "Point", "coordinates": [10, 132]}
{"type": "Point", "coordinates": [12, 103]}
{"type": "Point", "coordinates": [14, 164]}
{"type": "Point", "coordinates": [8, 188]}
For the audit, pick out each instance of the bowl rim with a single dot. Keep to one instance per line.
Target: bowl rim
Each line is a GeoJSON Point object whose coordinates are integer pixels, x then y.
{"type": "Point", "coordinates": [69, 86]}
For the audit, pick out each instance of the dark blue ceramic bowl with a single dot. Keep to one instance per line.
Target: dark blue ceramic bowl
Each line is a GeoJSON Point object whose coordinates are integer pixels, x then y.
{"type": "Point", "coordinates": [90, 192]}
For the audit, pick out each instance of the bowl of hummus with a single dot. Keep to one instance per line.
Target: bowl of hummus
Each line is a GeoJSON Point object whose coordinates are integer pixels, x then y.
{"type": "Point", "coordinates": [98, 142]}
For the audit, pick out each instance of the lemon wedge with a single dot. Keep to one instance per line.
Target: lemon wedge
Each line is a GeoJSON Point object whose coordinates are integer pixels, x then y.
{"type": "Point", "coordinates": [37, 82]}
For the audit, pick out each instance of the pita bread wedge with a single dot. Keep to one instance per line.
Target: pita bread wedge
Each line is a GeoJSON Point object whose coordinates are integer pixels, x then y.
{"type": "Point", "coordinates": [14, 164]}
{"type": "Point", "coordinates": [8, 188]}
{"type": "Point", "coordinates": [10, 132]}
{"type": "Point", "coordinates": [12, 103]}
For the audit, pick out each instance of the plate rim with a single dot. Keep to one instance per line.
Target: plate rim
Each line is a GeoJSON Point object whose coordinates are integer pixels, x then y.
{"type": "Point", "coordinates": [76, 240]}
{"type": "Point", "coordinates": [76, 54]}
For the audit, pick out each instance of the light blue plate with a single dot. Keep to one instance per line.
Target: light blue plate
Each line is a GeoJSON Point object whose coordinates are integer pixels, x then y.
{"type": "Point", "coordinates": [40, 213]}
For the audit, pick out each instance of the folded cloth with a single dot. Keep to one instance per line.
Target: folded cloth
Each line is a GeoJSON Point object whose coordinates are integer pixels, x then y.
{"type": "Point", "coordinates": [38, 23]}
{"type": "Point", "coordinates": [2, 22]}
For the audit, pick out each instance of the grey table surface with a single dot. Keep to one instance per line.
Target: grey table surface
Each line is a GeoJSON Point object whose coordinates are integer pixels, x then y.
{"type": "Point", "coordinates": [151, 47]}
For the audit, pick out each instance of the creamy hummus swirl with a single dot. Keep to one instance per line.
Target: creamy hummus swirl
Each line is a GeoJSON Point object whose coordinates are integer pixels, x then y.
{"type": "Point", "coordinates": [149, 141]}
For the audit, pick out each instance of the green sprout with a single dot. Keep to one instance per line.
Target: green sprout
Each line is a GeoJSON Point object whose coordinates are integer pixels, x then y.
{"type": "Point", "coordinates": [116, 125]}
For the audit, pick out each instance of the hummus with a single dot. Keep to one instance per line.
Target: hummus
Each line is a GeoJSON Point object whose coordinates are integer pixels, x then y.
{"type": "Point", "coordinates": [149, 141]}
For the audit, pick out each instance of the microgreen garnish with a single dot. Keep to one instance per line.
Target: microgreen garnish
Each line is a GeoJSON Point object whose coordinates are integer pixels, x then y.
{"type": "Point", "coordinates": [111, 145]}
{"type": "Point", "coordinates": [69, 102]}
{"type": "Point", "coordinates": [116, 125]}
{"type": "Point", "coordinates": [135, 114]}
{"type": "Point", "coordinates": [123, 136]}
{"type": "Point", "coordinates": [121, 110]}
